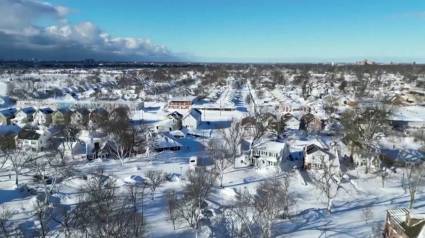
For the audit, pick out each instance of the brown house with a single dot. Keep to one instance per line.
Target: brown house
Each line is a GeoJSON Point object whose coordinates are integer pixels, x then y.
{"type": "Point", "coordinates": [181, 102]}
{"type": "Point", "coordinates": [404, 223]}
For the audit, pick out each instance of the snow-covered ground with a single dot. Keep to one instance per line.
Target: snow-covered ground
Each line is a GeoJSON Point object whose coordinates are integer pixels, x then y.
{"type": "Point", "coordinates": [309, 216]}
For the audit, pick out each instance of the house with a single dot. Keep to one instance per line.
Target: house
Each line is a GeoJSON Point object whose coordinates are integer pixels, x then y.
{"type": "Point", "coordinates": [181, 102]}
{"type": "Point", "coordinates": [292, 107]}
{"type": "Point", "coordinates": [164, 142]}
{"type": "Point", "coordinates": [173, 121]}
{"type": "Point", "coordinates": [317, 158]}
{"type": "Point", "coordinates": [403, 156]}
{"type": "Point", "coordinates": [291, 122]}
{"type": "Point", "coordinates": [61, 117]}
{"type": "Point", "coordinates": [310, 123]}
{"type": "Point", "coordinates": [269, 153]}
{"type": "Point", "coordinates": [6, 116]}
{"type": "Point", "coordinates": [6, 101]}
{"type": "Point", "coordinates": [98, 116]}
{"type": "Point", "coordinates": [404, 223]}
{"type": "Point", "coordinates": [43, 116]}
{"type": "Point", "coordinates": [408, 117]}
{"type": "Point", "coordinates": [192, 119]}
{"type": "Point", "coordinates": [4, 88]}
{"type": "Point", "coordinates": [80, 117]}
{"type": "Point", "coordinates": [90, 144]}
{"type": "Point", "coordinates": [24, 116]}
{"type": "Point", "coordinates": [36, 139]}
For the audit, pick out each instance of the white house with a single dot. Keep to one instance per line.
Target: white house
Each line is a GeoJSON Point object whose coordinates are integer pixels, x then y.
{"type": "Point", "coordinates": [317, 158]}
{"type": "Point", "coordinates": [192, 119]}
{"type": "Point", "coordinates": [269, 153]}
{"type": "Point", "coordinates": [35, 139]}
{"type": "Point", "coordinates": [24, 116]}
{"type": "Point", "coordinates": [408, 117]}
{"type": "Point", "coordinates": [291, 122]}
{"type": "Point", "coordinates": [173, 121]}
{"type": "Point", "coordinates": [6, 116]}
{"type": "Point", "coordinates": [163, 142]}
{"type": "Point", "coordinates": [43, 116]}
{"type": "Point", "coordinates": [89, 144]}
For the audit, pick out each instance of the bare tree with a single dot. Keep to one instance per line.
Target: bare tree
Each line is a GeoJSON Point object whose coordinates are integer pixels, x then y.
{"type": "Point", "coordinates": [18, 160]}
{"type": "Point", "coordinates": [195, 193]}
{"type": "Point", "coordinates": [6, 226]}
{"type": "Point", "coordinates": [156, 178]}
{"type": "Point", "coordinates": [383, 174]}
{"type": "Point", "coordinates": [101, 212]}
{"type": "Point", "coordinates": [271, 201]}
{"type": "Point", "coordinates": [43, 214]}
{"type": "Point", "coordinates": [255, 127]}
{"type": "Point", "coordinates": [328, 180]}
{"type": "Point", "coordinates": [239, 219]}
{"type": "Point", "coordinates": [7, 148]}
{"type": "Point", "coordinates": [172, 205]}
{"type": "Point", "coordinates": [362, 129]}
{"type": "Point", "coordinates": [218, 154]}
{"type": "Point", "coordinates": [367, 214]}
{"type": "Point", "coordinates": [233, 137]}
{"type": "Point", "coordinates": [136, 195]}
{"type": "Point", "coordinates": [64, 141]}
{"type": "Point", "coordinates": [121, 134]}
{"type": "Point", "coordinates": [63, 217]}
{"type": "Point", "coordinates": [415, 175]}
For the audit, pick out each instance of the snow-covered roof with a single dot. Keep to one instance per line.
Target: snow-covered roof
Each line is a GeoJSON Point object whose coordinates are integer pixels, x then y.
{"type": "Point", "coordinates": [163, 141]}
{"type": "Point", "coordinates": [408, 113]}
{"type": "Point", "coordinates": [195, 113]}
{"type": "Point", "coordinates": [271, 146]}
{"type": "Point", "coordinates": [183, 99]}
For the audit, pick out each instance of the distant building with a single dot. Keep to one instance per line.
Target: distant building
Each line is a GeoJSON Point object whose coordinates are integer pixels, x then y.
{"type": "Point", "coordinates": [4, 88]}
{"type": "Point", "coordinates": [43, 116]}
{"type": "Point", "coordinates": [61, 116]}
{"type": "Point", "coordinates": [404, 223]}
{"type": "Point", "coordinates": [181, 102]}
{"type": "Point", "coordinates": [24, 116]}
{"type": "Point", "coordinates": [6, 116]}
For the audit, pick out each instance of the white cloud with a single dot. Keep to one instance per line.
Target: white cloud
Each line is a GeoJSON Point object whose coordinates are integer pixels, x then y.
{"type": "Point", "coordinates": [61, 39]}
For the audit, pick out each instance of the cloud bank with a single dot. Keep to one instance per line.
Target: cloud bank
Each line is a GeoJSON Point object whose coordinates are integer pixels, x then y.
{"type": "Point", "coordinates": [23, 36]}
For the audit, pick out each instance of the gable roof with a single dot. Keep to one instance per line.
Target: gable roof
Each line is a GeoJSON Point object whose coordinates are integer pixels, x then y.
{"type": "Point", "coordinates": [183, 99]}
{"type": "Point", "coordinates": [176, 115]}
{"type": "Point", "coordinates": [8, 113]}
{"type": "Point", "coordinates": [28, 110]}
{"type": "Point", "coordinates": [46, 110]}
{"type": "Point", "coordinates": [83, 111]}
{"type": "Point", "coordinates": [272, 146]}
{"type": "Point", "coordinates": [313, 148]}
{"type": "Point", "coordinates": [163, 141]}
{"type": "Point", "coordinates": [28, 134]}
{"type": "Point", "coordinates": [195, 113]}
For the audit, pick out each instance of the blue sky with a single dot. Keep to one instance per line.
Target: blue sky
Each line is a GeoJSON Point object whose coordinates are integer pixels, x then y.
{"type": "Point", "coordinates": [272, 30]}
